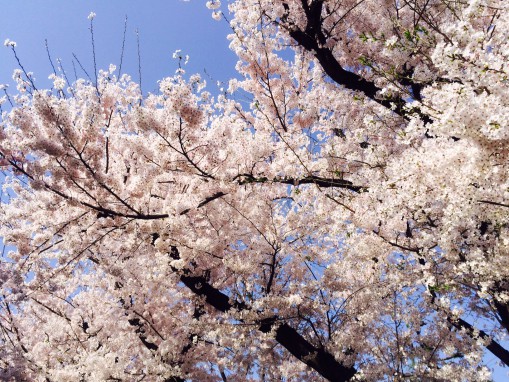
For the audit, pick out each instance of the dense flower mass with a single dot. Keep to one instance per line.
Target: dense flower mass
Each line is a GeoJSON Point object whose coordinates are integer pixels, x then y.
{"type": "Point", "coordinates": [350, 222]}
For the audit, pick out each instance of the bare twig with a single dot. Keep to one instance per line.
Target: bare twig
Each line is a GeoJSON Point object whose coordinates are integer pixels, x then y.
{"type": "Point", "coordinates": [139, 62]}
{"type": "Point", "coordinates": [123, 45]}
{"type": "Point", "coordinates": [82, 68]}
{"type": "Point", "coordinates": [49, 57]}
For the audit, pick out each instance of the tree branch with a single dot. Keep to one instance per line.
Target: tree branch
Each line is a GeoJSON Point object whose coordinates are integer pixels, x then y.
{"type": "Point", "coordinates": [494, 347]}
{"type": "Point", "coordinates": [312, 179]}
{"type": "Point", "coordinates": [316, 358]}
{"type": "Point", "coordinates": [313, 40]}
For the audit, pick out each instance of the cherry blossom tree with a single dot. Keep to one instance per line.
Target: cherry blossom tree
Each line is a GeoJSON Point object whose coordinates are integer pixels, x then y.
{"type": "Point", "coordinates": [338, 213]}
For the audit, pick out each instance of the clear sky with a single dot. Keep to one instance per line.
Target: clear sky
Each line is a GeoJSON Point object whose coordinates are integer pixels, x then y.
{"type": "Point", "coordinates": [164, 26]}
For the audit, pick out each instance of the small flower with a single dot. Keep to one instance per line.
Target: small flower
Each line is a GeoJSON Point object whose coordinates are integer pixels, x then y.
{"type": "Point", "coordinates": [58, 82]}
{"type": "Point", "coordinates": [294, 299]}
{"type": "Point", "coordinates": [16, 75]}
{"type": "Point", "coordinates": [176, 54]}
{"type": "Point", "coordinates": [214, 4]}
{"type": "Point", "coordinates": [391, 43]}
{"type": "Point", "coordinates": [91, 16]}
{"type": "Point", "coordinates": [216, 15]}
{"type": "Point", "coordinates": [11, 43]}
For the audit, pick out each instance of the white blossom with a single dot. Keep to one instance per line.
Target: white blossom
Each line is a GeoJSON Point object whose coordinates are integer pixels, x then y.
{"type": "Point", "coordinates": [10, 43]}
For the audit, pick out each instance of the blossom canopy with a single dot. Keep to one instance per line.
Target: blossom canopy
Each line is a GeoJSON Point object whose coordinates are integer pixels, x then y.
{"type": "Point", "coordinates": [339, 212]}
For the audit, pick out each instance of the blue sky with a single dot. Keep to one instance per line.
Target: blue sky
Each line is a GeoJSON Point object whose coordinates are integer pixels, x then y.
{"type": "Point", "coordinates": [164, 26]}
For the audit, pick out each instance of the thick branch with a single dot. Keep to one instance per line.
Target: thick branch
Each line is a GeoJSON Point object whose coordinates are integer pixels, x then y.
{"type": "Point", "coordinates": [322, 182]}
{"type": "Point", "coordinates": [140, 331]}
{"type": "Point", "coordinates": [501, 307]}
{"type": "Point", "coordinates": [313, 40]}
{"type": "Point", "coordinates": [493, 346]}
{"type": "Point", "coordinates": [206, 201]}
{"type": "Point", "coordinates": [316, 358]}
{"type": "Point", "coordinates": [503, 312]}
{"type": "Point", "coordinates": [317, 180]}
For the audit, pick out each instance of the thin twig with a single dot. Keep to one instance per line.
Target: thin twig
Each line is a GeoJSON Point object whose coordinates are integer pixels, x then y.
{"type": "Point", "coordinates": [8, 97]}
{"type": "Point", "coordinates": [75, 74]}
{"type": "Point", "coordinates": [65, 75]}
{"type": "Point", "coordinates": [139, 62]}
{"type": "Point", "coordinates": [49, 57]}
{"type": "Point", "coordinates": [29, 78]}
{"type": "Point", "coordinates": [93, 49]}
{"type": "Point", "coordinates": [82, 68]}
{"type": "Point", "coordinates": [494, 203]}
{"type": "Point", "coordinates": [123, 45]}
